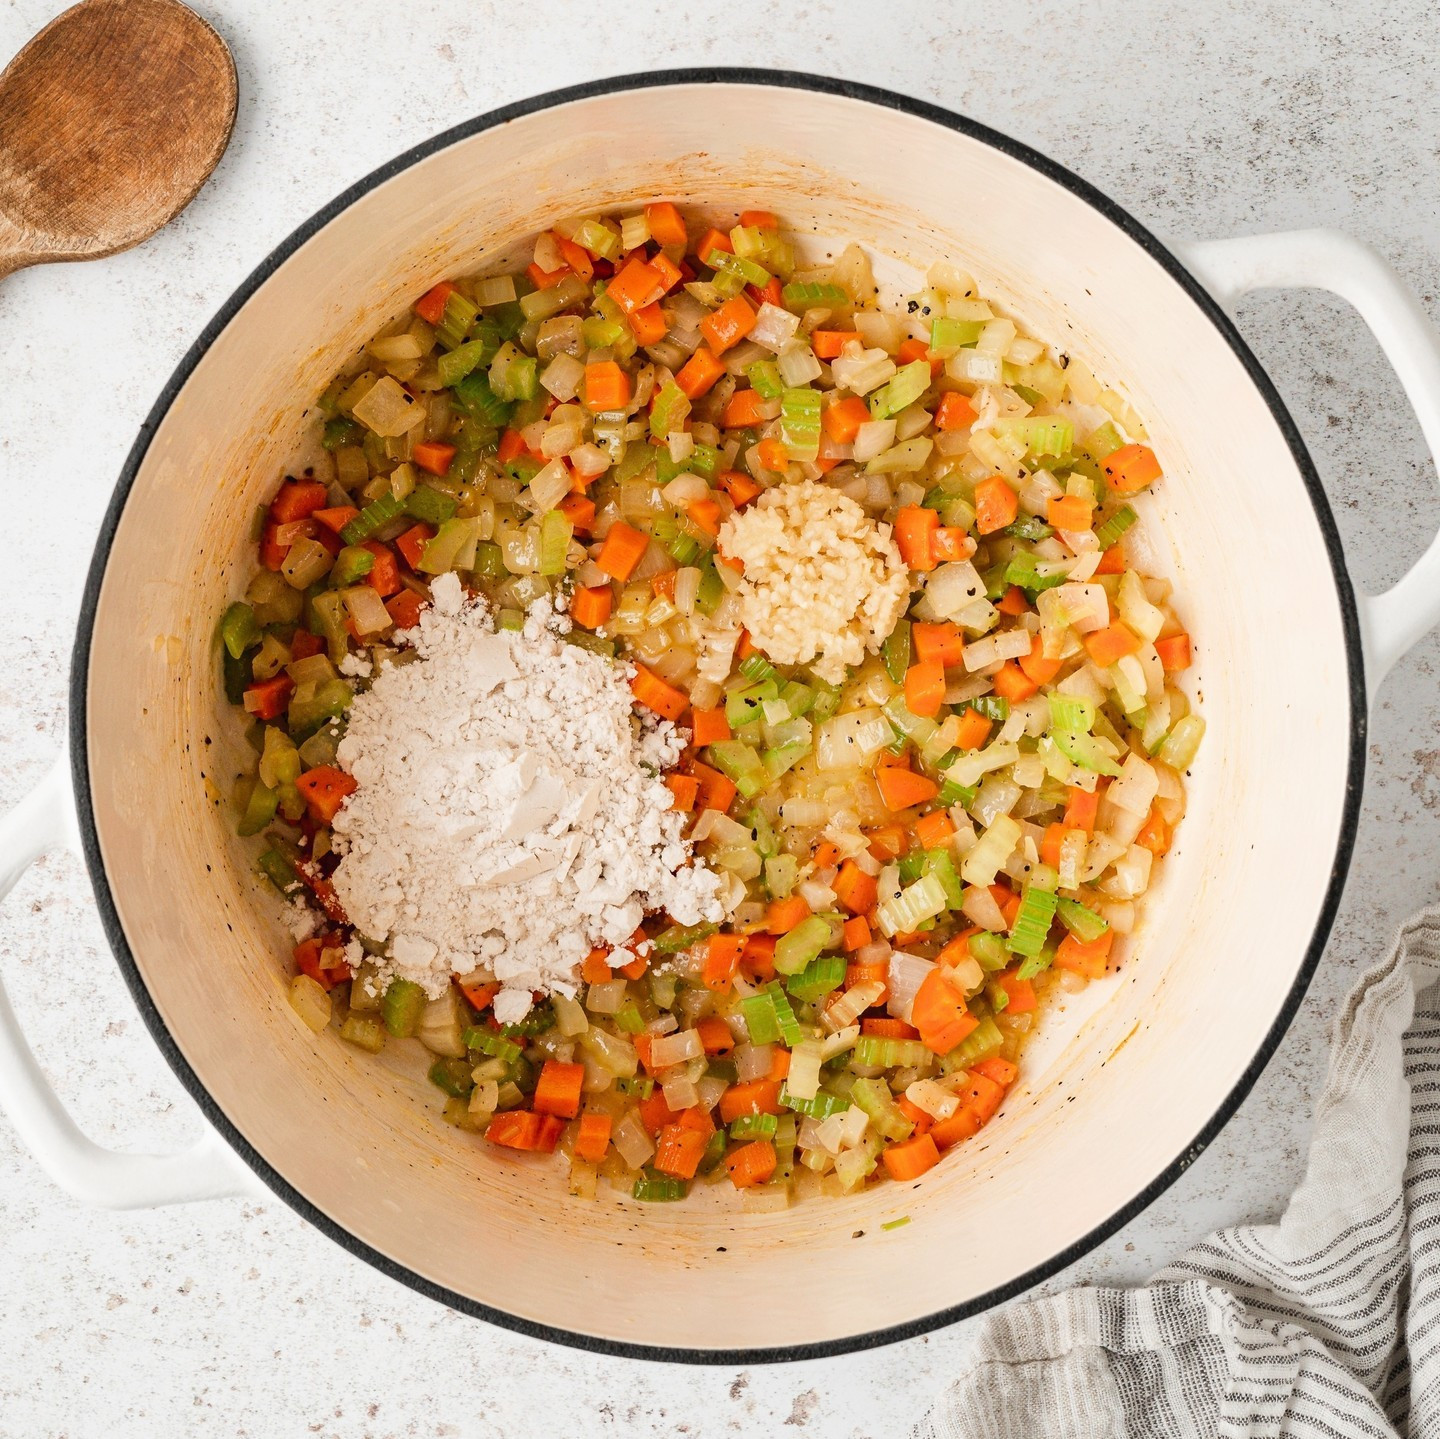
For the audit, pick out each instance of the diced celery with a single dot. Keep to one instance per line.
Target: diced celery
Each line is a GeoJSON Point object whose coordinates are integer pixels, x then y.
{"type": "Point", "coordinates": [1083, 923]}
{"type": "Point", "coordinates": [340, 431]}
{"type": "Point", "coordinates": [669, 411]}
{"type": "Point", "coordinates": [948, 336]}
{"type": "Point", "coordinates": [1109, 531]}
{"type": "Point", "coordinates": [1084, 750]}
{"type": "Point", "coordinates": [556, 532]}
{"type": "Point", "coordinates": [800, 422]}
{"type": "Point", "coordinates": [239, 629]}
{"type": "Point", "coordinates": [455, 323]}
{"type": "Point", "coordinates": [740, 764]}
{"type": "Point", "coordinates": [371, 518]}
{"type": "Point", "coordinates": [822, 1106]}
{"type": "Point", "coordinates": [764, 377]}
{"type": "Point", "coordinates": [477, 398]}
{"type": "Point", "coordinates": [363, 1032]}
{"type": "Point", "coordinates": [804, 296]}
{"type": "Point", "coordinates": [988, 951]}
{"type": "Point", "coordinates": [874, 1097]}
{"type": "Point", "coordinates": [655, 1187]}
{"type": "Point", "coordinates": [795, 951]}
{"type": "Point", "coordinates": [1182, 743]}
{"type": "Point", "coordinates": [453, 1076]}
{"type": "Point", "coordinates": [1032, 922]}
{"type": "Point", "coordinates": [871, 1049]}
{"type": "Point", "coordinates": [432, 506]}
{"type": "Point", "coordinates": [259, 810]}
{"type": "Point", "coordinates": [681, 936]}
{"type": "Point", "coordinates": [488, 1041]}
{"type": "Point", "coordinates": [899, 392]}
{"type": "Point", "coordinates": [753, 1126]}
{"type": "Point", "coordinates": [896, 651]}
{"type": "Point", "coordinates": [277, 868]}
{"type": "Point", "coordinates": [983, 1042]}
{"type": "Point", "coordinates": [351, 566]}
{"type": "Point", "coordinates": [1070, 712]}
{"type": "Point", "coordinates": [939, 863]}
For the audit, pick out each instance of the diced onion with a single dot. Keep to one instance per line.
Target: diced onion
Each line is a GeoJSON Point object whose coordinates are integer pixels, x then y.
{"type": "Point", "coordinates": [907, 974]}
{"type": "Point", "coordinates": [310, 1001]}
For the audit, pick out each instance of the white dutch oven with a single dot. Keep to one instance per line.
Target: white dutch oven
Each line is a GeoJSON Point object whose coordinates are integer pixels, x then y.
{"type": "Point", "coordinates": [1126, 1087]}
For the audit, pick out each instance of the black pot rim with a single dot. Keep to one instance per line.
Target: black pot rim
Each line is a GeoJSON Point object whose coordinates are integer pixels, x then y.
{"type": "Point", "coordinates": [790, 80]}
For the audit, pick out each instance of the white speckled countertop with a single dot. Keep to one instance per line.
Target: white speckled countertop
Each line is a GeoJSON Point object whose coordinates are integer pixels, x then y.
{"type": "Point", "coordinates": [231, 1319]}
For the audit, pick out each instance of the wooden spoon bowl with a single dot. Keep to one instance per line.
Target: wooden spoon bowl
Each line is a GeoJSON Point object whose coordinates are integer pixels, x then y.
{"type": "Point", "coordinates": [111, 119]}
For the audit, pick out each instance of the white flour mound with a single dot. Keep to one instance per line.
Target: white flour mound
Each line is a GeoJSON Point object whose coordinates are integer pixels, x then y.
{"type": "Point", "coordinates": [509, 813]}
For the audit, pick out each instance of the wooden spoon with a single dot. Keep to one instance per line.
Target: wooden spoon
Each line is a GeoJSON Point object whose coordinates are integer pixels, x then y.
{"type": "Point", "coordinates": [111, 119]}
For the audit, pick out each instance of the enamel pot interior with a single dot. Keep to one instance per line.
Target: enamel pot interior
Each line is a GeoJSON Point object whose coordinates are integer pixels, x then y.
{"type": "Point", "coordinates": [1122, 1084]}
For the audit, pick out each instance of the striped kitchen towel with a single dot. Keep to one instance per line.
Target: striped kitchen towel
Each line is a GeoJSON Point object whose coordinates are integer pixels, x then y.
{"type": "Point", "coordinates": [1325, 1325]}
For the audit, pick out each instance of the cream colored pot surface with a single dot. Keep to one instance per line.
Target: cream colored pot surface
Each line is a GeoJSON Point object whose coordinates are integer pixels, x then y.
{"type": "Point", "coordinates": [1126, 1083]}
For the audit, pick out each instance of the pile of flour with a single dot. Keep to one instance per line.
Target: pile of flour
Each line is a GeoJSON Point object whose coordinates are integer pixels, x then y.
{"type": "Point", "coordinates": [510, 813]}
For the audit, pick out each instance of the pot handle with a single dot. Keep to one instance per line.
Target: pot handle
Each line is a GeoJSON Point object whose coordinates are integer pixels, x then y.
{"type": "Point", "coordinates": [44, 821]}
{"type": "Point", "coordinates": [1329, 260]}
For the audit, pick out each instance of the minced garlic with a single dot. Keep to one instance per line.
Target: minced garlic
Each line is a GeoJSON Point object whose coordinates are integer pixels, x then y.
{"type": "Point", "coordinates": [823, 582]}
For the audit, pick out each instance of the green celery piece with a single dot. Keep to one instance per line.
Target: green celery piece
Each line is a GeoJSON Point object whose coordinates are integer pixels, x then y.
{"type": "Point", "coordinates": [901, 390]}
{"type": "Point", "coordinates": [740, 763]}
{"type": "Point", "coordinates": [911, 866]}
{"type": "Point", "coordinates": [1031, 397]}
{"type": "Point", "coordinates": [757, 669]}
{"type": "Point", "coordinates": [541, 1018]}
{"type": "Point", "coordinates": [753, 1126]}
{"type": "Point", "coordinates": [329, 619]}
{"type": "Point", "coordinates": [1101, 443]}
{"type": "Point", "coordinates": [822, 1106]}
{"type": "Point", "coordinates": [259, 810]}
{"type": "Point", "coordinates": [1081, 921]}
{"type": "Point", "coordinates": [763, 832]}
{"type": "Point", "coordinates": [1182, 743]}
{"type": "Point", "coordinates": [874, 1097]}
{"type": "Point", "coordinates": [747, 271]}
{"type": "Point", "coordinates": [682, 936]}
{"type": "Point", "coordinates": [952, 794]}
{"type": "Point", "coordinates": [491, 1042]}
{"type": "Point", "coordinates": [783, 758]}
{"type": "Point", "coordinates": [371, 518]}
{"type": "Point", "coordinates": [1032, 922]}
{"type": "Point", "coordinates": [236, 674]}
{"type": "Point", "coordinates": [600, 333]}
{"type": "Point", "coordinates": [782, 871]}
{"type": "Point", "coordinates": [790, 1032]}
{"type": "Point", "coordinates": [1070, 712]}
{"type": "Point", "coordinates": [983, 1042]}
{"type": "Point", "coordinates": [797, 698]}
{"type": "Point", "coordinates": [988, 951]}
{"type": "Point", "coordinates": [556, 532]}
{"type": "Point", "coordinates": [800, 295]}
{"type": "Point", "coordinates": [364, 1032]}
{"type": "Point", "coordinates": [711, 592]}
{"type": "Point", "coordinates": [758, 1012]}
{"type": "Point", "coordinates": [939, 863]}
{"type": "Point", "coordinates": [523, 378]}
{"type": "Point", "coordinates": [1082, 749]}
{"type": "Point", "coordinates": [277, 868]}
{"type": "Point", "coordinates": [654, 1187]}
{"type": "Point", "coordinates": [669, 411]}
{"type": "Point", "coordinates": [239, 629]}
{"type": "Point", "coordinates": [764, 377]}
{"type": "Point", "coordinates": [634, 1084]}
{"type": "Point", "coordinates": [714, 1152]}
{"type": "Point", "coordinates": [476, 398]}
{"type": "Point", "coordinates": [800, 422]}
{"type": "Point", "coordinates": [685, 549]}
{"type": "Point", "coordinates": [584, 640]}
{"type": "Point", "coordinates": [401, 1007]}
{"type": "Point", "coordinates": [459, 362]}
{"type": "Point", "coordinates": [1031, 528]}
{"type": "Point", "coordinates": [455, 323]}
{"type": "Point", "coordinates": [890, 1053]}
{"type": "Point", "coordinates": [489, 561]}
{"type": "Point", "coordinates": [509, 619]}
{"type": "Point", "coordinates": [1109, 531]}
{"type": "Point", "coordinates": [993, 707]}
{"type": "Point", "coordinates": [330, 700]}
{"type": "Point", "coordinates": [704, 461]}
{"type": "Point", "coordinates": [947, 335]}
{"type": "Point", "coordinates": [453, 1076]}
{"type": "Point", "coordinates": [818, 977]}
{"type": "Point", "coordinates": [629, 1019]}
{"type": "Point", "coordinates": [796, 950]}
{"type": "Point", "coordinates": [450, 547]}
{"type": "Point", "coordinates": [827, 701]}
{"type": "Point", "coordinates": [896, 652]}
{"type": "Point", "coordinates": [340, 431]}
{"type": "Point", "coordinates": [351, 565]}
{"type": "Point", "coordinates": [432, 506]}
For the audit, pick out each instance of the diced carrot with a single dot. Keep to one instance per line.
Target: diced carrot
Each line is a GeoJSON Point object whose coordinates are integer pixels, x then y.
{"type": "Point", "coordinates": [637, 284]}
{"type": "Point", "coordinates": [729, 324]}
{"type": "Point", "coordinates": [666, 226]}
{"type": "Point", "coordinates": [434, 456]}
{"type": "Point", "coordinates": [266, 698]}
{"type": "Point", "coordinates": [683, 790]}
{"type": "Point", "coordinates": [579, 511]}
{"type": "Point", "coordinates": [722, 955]}
{"type": "Point", "coordinates": [705, 514]}
{"type": "Point", "coordinates": [577, 257]}
{"type": "Point", "coordinates": [1154, 834]}
{"type": "Point", "coordinates": [404, 608]}
{"type": "Point", "coordinates": [767, 294]}
{"type": "Point", "coordinates": [655, 1112]}
{"type": "Point", "coordinates": [740, 487]}
{"type": "Point", "coordinates": [773, 455]}
{"type": "Point", "coordinates": [1037, 667]}
{"type": "Point", "coordinates": [744, 409]}
{"type": "Point", "coordinates": [663, 585]}
{"type": "Point", "coordinates": [758, 1096]}
{"type": "Point", "coordinates": [623, 549]}
{"type": "Point", "coordinates": [883, 1027]}
{"type": "Point", "coordinates": [911, 1158]}
{"type": "Point", "coordinates": [679, 1150]}
{"type": "Point", "coordinates": [1087, 959]}
{"type": "Point", "coordinates": [757, 959]}
{"type": "Point", "coordinates": [297, 500]}
{"type": "Point", "coordinates": [1012, 683]}
{"type": "Point", "coordinates": [746, 647]}
{"type": "Point", "coordinates": [699, 373]}
{"type": "Point", "coordinates": [1174, 652]}
{"type": "Point", "coordinates": [307, 955]}
{"type": "Point", "coordinates": [512, 446]}
{"type": "Point", "coordinates": [595, 967]}
{"type": "Point", "coordinates": [1112, 562]}
{"type": "Point", "coordinates": [855, 934]}
{"type": "Point", "coordinates": [955, 412]}
{"type": "Point", "coordinates": [523, 1129]}
{"type": "Point", "coordinates": [917, 1116]}
{"type": "Point", "coordinates": [655, 694]}
{"type": "Point", "coordinates": [925, 688]}
{"type": "Point", "coordinates": [1081, 807]}
{"type": "Point", "coordinates": [1013, 602]}
{"type": "Point", "coordinates": [716, 790]}
{"type": "Point", "coordinates": [900, 789]}
{"type": "Point", "coordinates": [962, 1125]}
{"type": "Point", "coordinates": [1050, 844]}
{"type": "Point", "coordinates": [1130, 468]}
{"type": "Point", "coordinates": [1008, 901]}
{"type": "Point", "coordinates": [912, 350]}
{"type": "Point", "coordinates": [714, 239]}
{"type": "Point", "coordinates": [411, 545]}
{"type": "Point", "coordinates": [324, 789]}
{"type": "Point", "coordinates": [887, 842]}
{"type": "Point", "coordinates": [670, 273]}
{"type": "Point", "coordinates": [974, 730]}
{"type": "Point", "coordinates": [557, 1091]}
{"type": "Point", "coordinates": [607, 386]}
{"type": "Point", "coordinates": [708, 726]}
{"type": "Point", "coordinates": [826, 855]}
{"type": "Point", "coordinates": [591, 605]}
{"type": "Point", "coordinates": [996, 505]}
{"type": "Point", "coordinates": [915, 527]}
{"type": "Point", "coordinates": [950, 542]}
{"type": "Point", "coordinates": [545, 279]}
{"type": "Point", "coordinates": [982, 1096]}
{"type": "Point", "coordinates": [479, 996]}
{"type": "Point", "coordinates": [784, 914]}
{"type": "Point", "coordinates": [592, 1139]}
{"type": "Point", "coordinates": [942, 642]}
{"type": "Point", "coordinates": [1069, 512]}
{"type": "Point", "coordinates": [715, 1035]}
{"type": "Point", "coordinates": [1002, 1071]}
{"type": "Point", "coordinates": [648, 324]}
{"type": "Point", "coordinates": [1020, 991]}
{"type": "Point", "coordinates": [751, 1164]}
{"type": "Point", "coordinates": [1111, 644]}
{"type": "Point", "coordinates": [759, 220]}
{"type": "Point", "coordinates": [337, 518]}
{"type": "Point", "coordinates": [384, 576]}
{"type": "Point", "coordinates": [431, 305]}
{"type": "Point", "coordinates": [940, 1014]}
{"type": "Point", "coordinates": [854, 888]}
{"type": "Point", "coordinates": [827, 344]}
{"type": "Point", "coordinates": [843, 419]}
{"type": "Point", "coordinates": [934, 830]}
{"type": "Point", "coordinates": [303, 644]}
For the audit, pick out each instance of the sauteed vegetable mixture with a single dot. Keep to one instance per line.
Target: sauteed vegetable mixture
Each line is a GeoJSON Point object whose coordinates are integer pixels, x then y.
{"type": "Point", "coordinates": [875, 562]}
